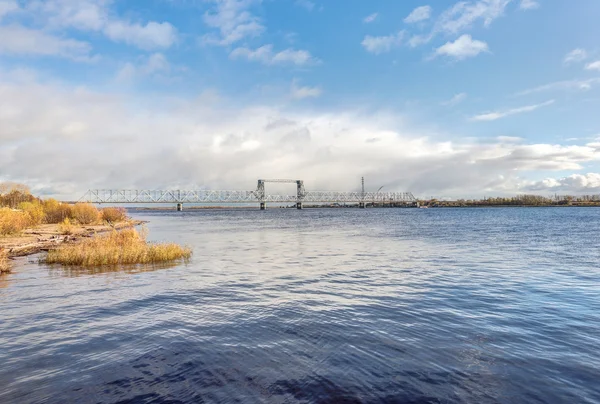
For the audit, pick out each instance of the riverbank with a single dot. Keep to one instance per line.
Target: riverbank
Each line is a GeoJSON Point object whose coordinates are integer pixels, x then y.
{"type": "Point", "coordinates": [47, 236]}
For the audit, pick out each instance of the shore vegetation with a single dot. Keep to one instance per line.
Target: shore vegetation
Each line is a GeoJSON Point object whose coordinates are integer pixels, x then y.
{"type": "Point", "coordinates": [66, 227]}
{"type": "Point", "coordinates": [117, 248]}
{"type": "Point", "coordinates": [19, 210]}
{"type": "Point", "coordinates": [519, 200]}
{"type": "Point", "coordinates": [114, 215]}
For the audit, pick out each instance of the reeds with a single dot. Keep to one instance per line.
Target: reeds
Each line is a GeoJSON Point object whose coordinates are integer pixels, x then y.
{"type": "Point", "coordinates": [117, 248]}
{"type": "Point", "coordinates": [4, 263]}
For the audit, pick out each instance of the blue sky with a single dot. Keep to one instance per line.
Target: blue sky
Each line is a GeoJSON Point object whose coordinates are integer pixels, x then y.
{"type": "Point", "coordinates": [444, 98]}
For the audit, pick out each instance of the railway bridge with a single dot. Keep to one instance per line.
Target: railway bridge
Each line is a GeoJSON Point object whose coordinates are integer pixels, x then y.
{"type": "Point", "coordinates": [258, 196]}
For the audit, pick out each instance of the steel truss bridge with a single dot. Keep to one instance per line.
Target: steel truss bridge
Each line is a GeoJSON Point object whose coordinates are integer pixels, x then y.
{"type": "Point", "coordinates": [258, 196]}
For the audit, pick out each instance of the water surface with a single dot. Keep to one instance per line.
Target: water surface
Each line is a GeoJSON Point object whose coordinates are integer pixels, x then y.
{"type": "Point", "coordinates": [497, 305]}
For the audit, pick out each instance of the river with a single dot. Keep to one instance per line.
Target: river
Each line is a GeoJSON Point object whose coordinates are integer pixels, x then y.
{"type": "Point", "coordinates": [498, 305]}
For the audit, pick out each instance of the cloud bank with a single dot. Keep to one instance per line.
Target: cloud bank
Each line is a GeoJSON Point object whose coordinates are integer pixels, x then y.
{"type": "Point", "coordinates": [63, 140]}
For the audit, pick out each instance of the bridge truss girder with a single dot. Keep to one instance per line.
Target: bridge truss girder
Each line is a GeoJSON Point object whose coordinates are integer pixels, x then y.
{"type": "Point", "coordinates": [216, 197]}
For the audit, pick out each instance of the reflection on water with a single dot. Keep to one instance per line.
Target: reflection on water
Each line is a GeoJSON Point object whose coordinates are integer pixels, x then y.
{"type": "Point", "coordinates": [282, 306]}
{"type": "Point", "coordinates": [75, 271]}
{"type": "Point", "coordinates": [4, 280]}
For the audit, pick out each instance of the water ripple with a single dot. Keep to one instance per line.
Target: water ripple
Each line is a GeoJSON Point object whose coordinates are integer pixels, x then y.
{"type": "Point", "coordinates": [319, 306]}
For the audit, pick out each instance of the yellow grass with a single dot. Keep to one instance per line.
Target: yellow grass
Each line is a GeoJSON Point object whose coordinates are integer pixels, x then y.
{"type": "Point", "coordinates": [117, 248]}
{"type": "Point", "coordinates": [4, 265]}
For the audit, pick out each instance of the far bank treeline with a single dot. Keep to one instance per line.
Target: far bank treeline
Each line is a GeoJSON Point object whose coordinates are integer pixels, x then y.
{"type": "Point", "coordinates": [519, 200]}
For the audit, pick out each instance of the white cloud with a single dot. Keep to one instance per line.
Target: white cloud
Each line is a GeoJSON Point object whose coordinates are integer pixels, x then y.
{"type": "Point", "coordinates": [457, 99]}
{"type": "Point", "coordinates": [509, 139]}
{"type": "Point", "coordinates": [198, 138]}
{"type": "Point", "coordinates": [265, 55]}
{"type": "Point", "coordinates": [492, 116]}
{"type": "Point", "coordinates": [370, 18]}
{"type": "Point", "coordinates": [418, 14]}
{"type": "Point", "coordinates": [529, 4]}
{"type": "Point", "coordinates": [300, 92]}
{"type": "Point", "coordinates": [382, 44]}
{"type": "Point", "coordinates": [464, 14]}
{"type": "Point", "coordinates": [464, 47]}
{"type": "Point", "coordinates": [86, 15]}
{"type": "Point", "coordinates": [234, 22]}
{"type": "Point", "coordinates": [461, 17]}
{"type": "Point", "coordinates": [155, 65]}
{"type": "Point", "coordinates": [18, 40]}
{"type": "Point", "coordinates": [593, 66]}
{"type": "Point", "coordinates": [576, 183]}
{"type": "Point", "coordinates": [95, 16]}
{"type": "Point", "coordinates": [7, 7]}
{"type": "Point", "coordinates": [567, 85]}
{"type": "Point", "coordinates": [150, 36]}
{"type": "Point", "coordinates": [417, 40]}
{"type": "Point", "coordinates": [575, 56]}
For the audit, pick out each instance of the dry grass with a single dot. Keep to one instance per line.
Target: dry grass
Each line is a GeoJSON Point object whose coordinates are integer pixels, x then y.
{"type": "Point", "coordinates": [117, 248]}
{"type": "Point", "coordinates": [4, 263]}
{"type": "Point", "coordinates": [114, 215]}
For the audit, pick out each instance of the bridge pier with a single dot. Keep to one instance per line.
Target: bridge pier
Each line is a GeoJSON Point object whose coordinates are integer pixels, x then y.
{"type": "Point", "coordinates": [299, 206]}
{"type": "Point", "coordinates": [263, 206]}
{"type": "Point", "coordinates": [179, 207]}
{"type": "Point", "coordinates": [361, 205]}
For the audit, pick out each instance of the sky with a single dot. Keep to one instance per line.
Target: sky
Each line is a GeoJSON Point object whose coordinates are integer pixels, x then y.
{"type": "Point", "coordinates": [450, 99]}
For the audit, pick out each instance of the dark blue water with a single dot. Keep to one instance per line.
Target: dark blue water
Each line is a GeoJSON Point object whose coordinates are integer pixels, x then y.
{"type": "Point", "coordinates": [320, 306]}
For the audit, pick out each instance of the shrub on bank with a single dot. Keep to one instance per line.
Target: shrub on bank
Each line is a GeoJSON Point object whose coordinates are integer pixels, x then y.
{"type": "Point", "coordinates": [4, 264]}
{"type": "Point", "coordinates": [35, 211]}
{"type": "Point", "coordinates": [114, 215]}
{"type": "Point", "coordinates": [13, 221]}
{"type": "Point", "coordinates": [20, 210]}
{"type": "Point", "coordinates": [86, 213]}
{"type": "Point", "coordinates": [117, 248]}
{"type": "Point", "coordinates": [65, 227]}
{"type": "Point", "coordinates": [57, 212]}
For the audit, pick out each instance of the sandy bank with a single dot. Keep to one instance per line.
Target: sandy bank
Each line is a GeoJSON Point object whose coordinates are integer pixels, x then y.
{"type": "Point", "coordinates": [47, 236]}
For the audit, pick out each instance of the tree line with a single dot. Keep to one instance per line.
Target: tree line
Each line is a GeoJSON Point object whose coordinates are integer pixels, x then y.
{"type": "Point", "coordinates": [518, 200]}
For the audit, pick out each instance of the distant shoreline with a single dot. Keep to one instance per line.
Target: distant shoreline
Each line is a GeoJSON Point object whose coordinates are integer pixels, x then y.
{"type": "Point", "coordinates": [196, 207]}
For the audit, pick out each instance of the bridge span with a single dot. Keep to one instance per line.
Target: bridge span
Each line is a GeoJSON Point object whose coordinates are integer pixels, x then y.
{"type": "Point", "coordinates": [258, 196]}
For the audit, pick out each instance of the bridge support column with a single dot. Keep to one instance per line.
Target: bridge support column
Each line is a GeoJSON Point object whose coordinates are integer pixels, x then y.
{"type": "Point", "coordinates": [361, 205]}
{"type": "Point", "coordinates": [263, 206]}
{"type": "Point", "coordinates": [299, 206]}
{"type": "Point", "coordinates": [179, 207]}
